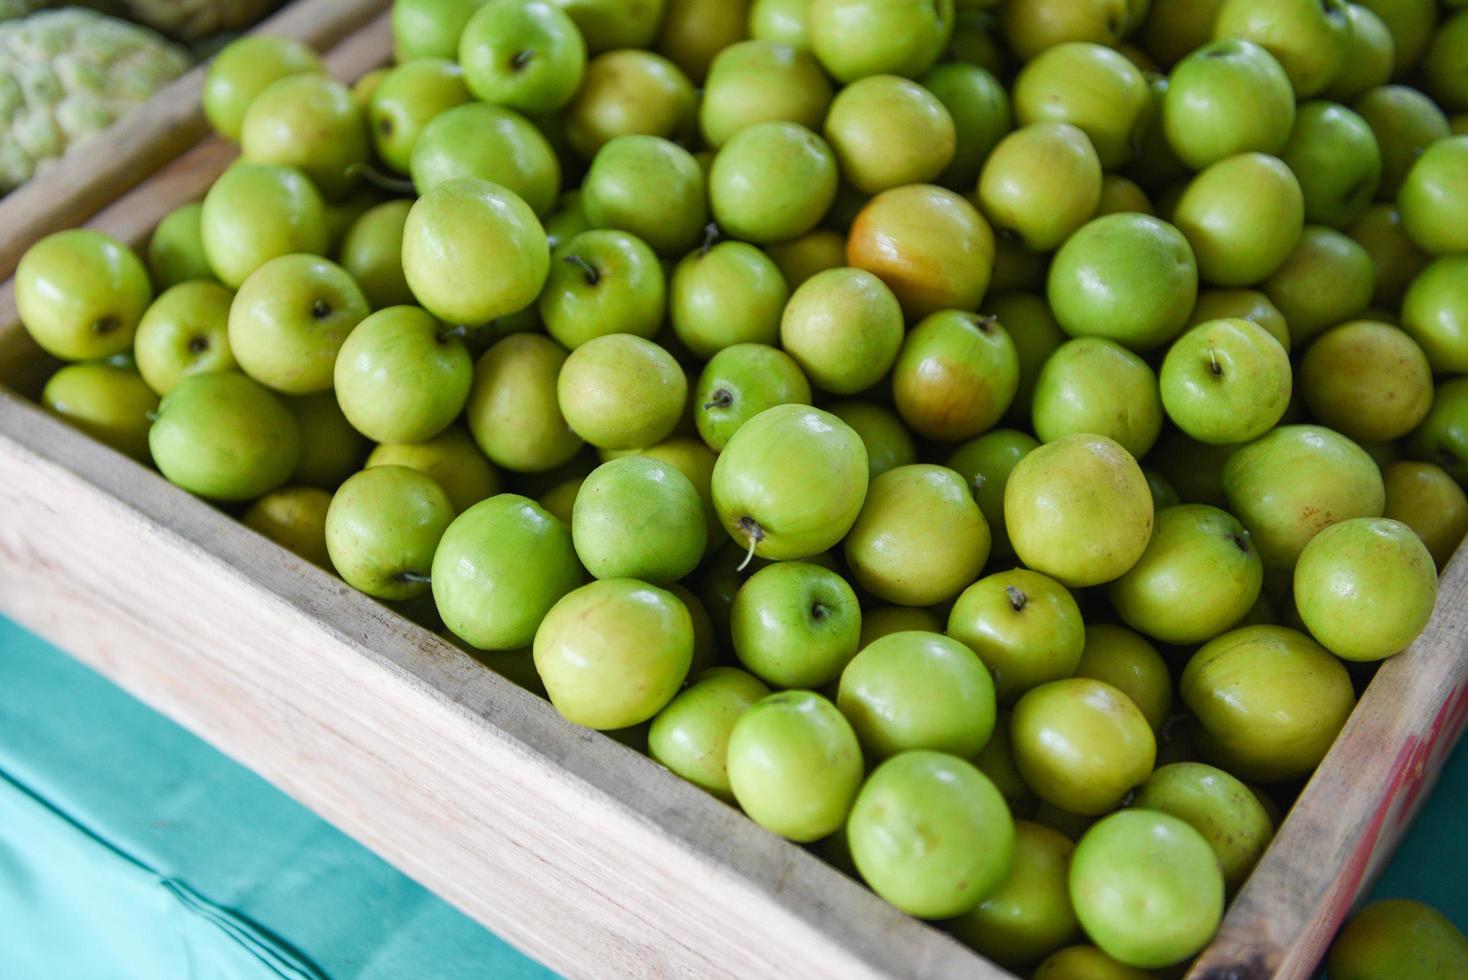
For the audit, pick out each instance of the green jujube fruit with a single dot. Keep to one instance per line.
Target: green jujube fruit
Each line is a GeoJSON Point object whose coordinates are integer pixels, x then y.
{"type": "Point", "coordinates": [225, 437]}
{"type": "Point", "coordinates": [691, 734]}
{"type": "Point", "coordinates": [637, 517]}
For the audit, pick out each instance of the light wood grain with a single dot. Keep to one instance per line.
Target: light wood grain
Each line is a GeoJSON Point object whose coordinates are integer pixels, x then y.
{"type": "Point", "coordinates": [156, 132]}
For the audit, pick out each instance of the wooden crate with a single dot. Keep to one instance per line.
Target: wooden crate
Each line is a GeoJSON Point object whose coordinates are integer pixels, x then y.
{"type": "Point", "coordinates": [169, 123]}
{"type": "Point", "coordinates": [581, 852]}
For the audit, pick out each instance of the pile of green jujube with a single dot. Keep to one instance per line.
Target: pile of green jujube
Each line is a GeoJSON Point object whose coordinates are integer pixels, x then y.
{"type": "Point", "coordinates": [991, 446]}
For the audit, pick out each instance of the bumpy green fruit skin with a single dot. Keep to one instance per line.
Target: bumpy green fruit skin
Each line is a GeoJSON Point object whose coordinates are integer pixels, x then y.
{"type": "Point", "coordinates": [795, 765]}
{"type": "Point", "coordinates": [1398, 937]}
{"type": "Point", "coordinates": [176, 250]}
{"type": "Point", "coordinates": [528, 56]}
{"type": "Point", "coordinates": [641, 518]}
{"type": "Point", "coordinates": [243, 70]}
{"type": "Point", "coordinates": [1126, 661]}
{"type": "Point", "coordinates": [1297, 480]}
{"type": "Point", "coordinates": [451, 459]}
{"type": "Point", "coordinates": [955, 375]}
{"type": "Point", "coordinates": [691, 735]}
{"type": "Point", "coordinates": [1128, 277]}
{"type": "Point", "coordinates": [795, 624]}
{"type": "Point", "coordinates": [931, 834]}
{"type": "Point", "coordinates": [1147, 888]}
{"type": "Point", "coordinates": [492, 143]}
{"type": "Point", "coordinates": [844, 328]}
{"type": "Point", "coordinates": [786, 511]}
{"type": "Point", "coordinates": [985, 464]}
{"type": "Point", "coordinates": [1079, 509]}
{"type": "Point", "coordinates": [1081, 744]}
{"type": "Point", "coordinates": [474, 251]}
{"type": "Point", "coordinates": [1091, 87]}
{"type": "Point", "coordinates": [1198, 577]}
{"type": "Point", "coordinates": [729, 294]}
{"type": "Point", "coordinates": [650, 187]}
{"type": "Point", "coordinates": [1225, 98]}
{"type": "Point", "coordinates": [1434, 210]}
{"type": "Point", "coordinates": [1226, 381]}
{"type": "Point", "coordinates": [1025, 627]}
{"type": "Point", "coordinates": [400, 378]}
{"type": "Point", "coordinates": [1429, 501]}
{"type": "Point", "coordinates": [290, 319]}
{"type": "Point", "coordinates": [311, 122]}
{"type": "Point", "coordinates": [1365, 588]}
{"type": "Point", "coordinates": [1042, 181]}
{"type": "Point", "coordinates": [500, 567]}
{"type": "Point", "coordinates": [920, 538]}
{"type": "Point", "coordinates": [614, 652]}
{"type": "Point", "coordinates": [918, 690]}
{"type": "Point", "coordinates": [1097, 386]}
{"type": "Point", "coordinates": [224, 437]}
{"type": "Point", "coordinates": [295, 519]}
{"type": "Point", "coordinates": [621, 392]}
{"type": "Point", "coordinates": [1269, 702]}
{"type": "Point", "coordinates": [772, 182]}
{"type": "Point", "coordinates": [109, 403]}
{"type": "Point", "coordinates": [1242, 216]}
{"type": "Point", "coordinates": [513, 410]}
{"type": "Point", "coordinates": [1029, 915]}
{"type": "Point", "coordinates": [1335, 153]}
{"type": "Point", "coordinates": [1435, 313]}
{"type": "Point", "coordinates": [1216, 805]}
{"type": "Point", "coordinates": [81, 293]}
{"type": "Point", "coordinates": [382, 529]}
{"type": "Point", "coordinates": [256, 212]}
{"type": "Point", "coordinates": [1310, 38]}
{"type": "Point", "coordinates": [858, 38]}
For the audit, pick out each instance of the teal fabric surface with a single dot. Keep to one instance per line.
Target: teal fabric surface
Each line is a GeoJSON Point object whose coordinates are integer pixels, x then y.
{"type": "Point", "coordinates": [131, 850]}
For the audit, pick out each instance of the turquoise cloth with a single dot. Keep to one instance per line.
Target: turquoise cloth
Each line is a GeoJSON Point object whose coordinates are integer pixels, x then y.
{"type": "Point", "coordinates": [131, 850]}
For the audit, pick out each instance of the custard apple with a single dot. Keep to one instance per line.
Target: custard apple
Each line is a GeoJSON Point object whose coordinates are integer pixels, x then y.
{"type": "Point", "coordinates": [189, 20]}
{"type": "Point", "coordinates": [68, 74]}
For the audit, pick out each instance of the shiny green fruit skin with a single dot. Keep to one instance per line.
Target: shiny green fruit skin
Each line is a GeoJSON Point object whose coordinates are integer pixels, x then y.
{"type": "Point", "coordinates": [1446, 65]}
{"type": "Point", "coordinates": [1086, 963]}
{"type": "Point", "coordinates": [780, 20]}
{"type": "Point", "coordinates": [738, 383]}
{"type": "Point", "coordinates": [795, 625]}
{"type": "Point", "coordinates": [1147, 888]}
{"type": "Point", "coordinates": [729, 294]}
{"type": "Point", "coordinates": [224, 437]}
{"type": "Point", "coordinates": [920, 538]}
{"type": "Point", "coordinates": [784, 511]}
{"type": "Point", "coordinates": [1269, 702]}
{"type": "Point", "coordinates": [295, 519]}
{"type": "Point", "coordinates": [603, 282]}
{"type": "Point", "coordinates": [608, 24]}
{"type": "Point", "coordinates": [490, 143]}
{"type": "Point", "coordinates": [1336, 156]}
{"type": "Point", "coordinates": [1127, 277]}
{"type": "Point", "coordinates": [1216, 805]}
{"type": "Point", "coordinates": [1243, 217]}
{"type": "Point", "coordinates": [802, 258]}
{"type": "Point", "coordinates": [844, 328]}
{"type": "Point", "coordinates": [888, 131]}
{"type": "Point", "coordinates": [955, 375]}
{"type": "Point", "coordinates": [981, 113]}
{"type": "Point", "coordinates": [244, 69]}
{"type": "Point", "coordinates": [918, 690]}
{"type": "Point", "coordinates": [855, 39]}
{"type": "Point", "coordinates": [772, 182]}
{"type": "Point", "coordinates": [691, 735]}
{"type": "Point", "coordinates": [931, 835]}
{"type": "Point", "coordinates": [621, 392]}
{"type": "Point", "coordinates": [372, 252]}
{"type": "Point", "coordinates": [985, 464]}
{"type": "Point", "coordinates": [1405, 122]}
{"type": "Point", "coordinates": [1429, 501]}
{"type": "Point", "coordinates": [331, 450]}
{"type": "Point", "coordinates": [409, 97]}
{"type": "Point", "coordinates": [500, 567]}
{"type": "Point", "coordinates": [1310, 38]}
{"type": "Point", "coordinates": [1032, 327]}
{"type": "Point", "coordinates": [1081, 744]}
{"type": "Point", "coordinates": [1024, 626]}
{"type": "Point", "coordinates": [640, 518]}
{"type": "Point", "coordinates": [1411, 24]}
{"type": "Point", "coordinates": [1327, 280]}
{"type": "Point", "coordinates": [80, 294]}
{"type": "Point", "coordinates": [1435, 313]}
{"type": "Point", "coordinates": [1042, 182]}
{"type": "Point", "coordinates": [1079, 509]}
{"type": "Point", "coordinates": [185, 331]}
{"type": "Point", "coordinates": [761, 81]}
{"type": "Point", "coordinates": [887, 441]}
{"type": "Point", "coordinates": [1434, 208]}
{"type": "Point", "coordinates": [430, 28]}
{"type": "Point", "coordinates": [1365, 588]}
{"type": "Point", "coordinates": [1226, 381]}
{"type": "Point", "coordinates": [400, 377]}
{"type": "Point", "coordinates": [176, 250]}
{"type": "Point", "coordinates": [109, 403]}
{"type": "Point", "coordinates": [290, 319]}
{"type": "Point", "coordinates": [513, 410]}
{"type": "Point", "coordinates": [1225, 98]}
{"type": "Point", "coordinates": [382, 529]}
{"type": "Point", "coordinates": [1029, 916]}
{"type": "Point", "coordinates": [1031, 28]}
{"type": "Point", "coordinates": [311, 122]}
{"type": "Point", "coordinates": [1442, 438]}
{"type": "Point", "coordinates": [1091, 87]}
{"type": "Point", "coordinates": [1125, 660]}
{"type": "Point", "coordinates": [795, 765]}
{"type": "Point", "coordinates": [1398, 937]}
{"type": "Point", "coordinates": [256, 212]}
{"type": "Point", "coordinates": [1241, 304]}
{"type": "Point", "coordinates": [1367, 380]}
{"type": "Point", "coordinates": [528, 56]}
{"type": "Point", "coordinates": [1370, 57]}
{"type": "Point", "coordinates": [474, 251]}
{"type": "Point", "coordinates": [1297, 480]}
{"type": "Point", "coordinates": [613, 653]}
{"type": "Point", "coordinates": [625, 93]}
{"type": "Point", "coordinates": [650, 187]}
{"type": "Point", "coordinates": [453, 461]}
{"type": "Point", "coordinates": [1198, 577]}
{"type": "Point", "coordinates": [1094, 385]}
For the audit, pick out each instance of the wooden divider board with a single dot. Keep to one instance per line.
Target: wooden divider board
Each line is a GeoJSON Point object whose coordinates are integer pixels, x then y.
{"type": "Point", "coordinates": [581, 852]}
